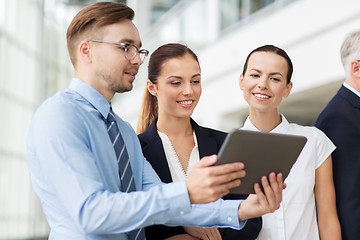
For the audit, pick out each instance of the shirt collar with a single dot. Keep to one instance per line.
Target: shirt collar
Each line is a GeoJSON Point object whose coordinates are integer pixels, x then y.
{"type": "Point", "coordinates": [351, 89]}
{"type": "Point", "coordinates": [91, 95]}
{"type": "Point", "coordinates": [281, 128]}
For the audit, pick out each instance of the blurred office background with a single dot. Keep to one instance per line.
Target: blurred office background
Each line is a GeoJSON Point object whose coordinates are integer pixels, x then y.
{"type": "Point", "coordinates": [34, 65]}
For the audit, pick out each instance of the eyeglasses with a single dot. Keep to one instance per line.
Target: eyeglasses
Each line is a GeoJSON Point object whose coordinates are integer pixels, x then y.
{"type": "Point", "coordinates": [130, 50]}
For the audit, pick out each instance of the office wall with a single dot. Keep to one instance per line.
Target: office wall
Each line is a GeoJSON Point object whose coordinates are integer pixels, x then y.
{"type": "Point", "coordinates": [21, 28]}
{"type": "Point", "coordinates": [310, 31]}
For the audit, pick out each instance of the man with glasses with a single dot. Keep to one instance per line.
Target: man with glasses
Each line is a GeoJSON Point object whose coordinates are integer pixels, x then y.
{"type": "Point", "coordinates": [340, 120]}
{"type": "Point", "coordinates": [130, 50]}
{"type": "Point", "coordinates": [86, 163]}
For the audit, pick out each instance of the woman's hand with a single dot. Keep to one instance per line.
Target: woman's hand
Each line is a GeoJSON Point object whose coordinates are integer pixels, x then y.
{"type": "Point", "coordinates": [204, 233]}
{"type": "Point", "coordinates": [184, 236]}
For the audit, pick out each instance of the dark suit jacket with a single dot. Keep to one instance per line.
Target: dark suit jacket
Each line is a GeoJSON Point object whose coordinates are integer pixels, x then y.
{"type": "Point", "coordinates": [209, 143]}
{"type": "Point", "coordinates": [340, 120]}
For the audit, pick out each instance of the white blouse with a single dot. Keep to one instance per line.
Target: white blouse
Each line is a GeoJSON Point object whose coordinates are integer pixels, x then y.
{"type": "Point", "coordinates": [176, 170]}
{"type": "Point", "coordinates": [296, 217]}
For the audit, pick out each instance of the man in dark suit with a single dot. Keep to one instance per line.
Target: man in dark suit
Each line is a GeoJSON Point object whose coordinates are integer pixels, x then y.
{"type": "Point", "coordinates": [340, 120]}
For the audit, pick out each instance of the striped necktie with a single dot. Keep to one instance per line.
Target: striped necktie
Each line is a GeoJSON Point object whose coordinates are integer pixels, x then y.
{"type": "Point", "coordinates": [125, 171]}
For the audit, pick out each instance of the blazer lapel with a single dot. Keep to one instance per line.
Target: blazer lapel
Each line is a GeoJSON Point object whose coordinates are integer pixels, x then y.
{"type": "Point", "coordinates": [207, 146]}
{"type": "Point", "coordinates": [152, 147]}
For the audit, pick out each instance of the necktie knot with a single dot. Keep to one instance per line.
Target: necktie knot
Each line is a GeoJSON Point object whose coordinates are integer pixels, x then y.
{"type": "Point", "coordinates": [111, 116]}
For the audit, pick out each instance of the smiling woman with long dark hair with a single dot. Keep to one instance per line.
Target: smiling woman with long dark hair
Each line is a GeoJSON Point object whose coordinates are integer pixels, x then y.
{"type": "Point", "coordinates": [171, 140]}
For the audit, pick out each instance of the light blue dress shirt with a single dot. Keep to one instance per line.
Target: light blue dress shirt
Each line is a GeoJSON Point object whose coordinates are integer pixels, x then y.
{"type": "Point", "coordinates": [74, 172]}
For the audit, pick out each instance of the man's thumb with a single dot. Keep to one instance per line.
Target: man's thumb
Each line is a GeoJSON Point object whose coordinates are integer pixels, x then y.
{"type": "Point", "coordinates": [208, 161]}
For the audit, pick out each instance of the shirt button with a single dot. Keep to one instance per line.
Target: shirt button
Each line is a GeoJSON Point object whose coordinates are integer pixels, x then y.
{"type": "Point", "coordinates": [229, 219]}
{"type": "Point", "coordinates": [181, 212]}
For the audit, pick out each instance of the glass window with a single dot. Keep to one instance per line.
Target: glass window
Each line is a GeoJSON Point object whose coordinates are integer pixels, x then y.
{"type": "Point", "coordinates": [234, 10]}
{"type": "Point", "coordinates": [159, 7]}
{"type": "Point", "coordinates": [231, 12]}
{"type": "Point", "coordinates": [2, 13]}
{"type": "Point", "coordinates": [256, 5]}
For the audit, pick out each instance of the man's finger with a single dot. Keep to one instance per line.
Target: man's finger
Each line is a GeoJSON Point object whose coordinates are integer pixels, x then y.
{"type": "Point", "coordinates": [207, 161]}
{"type": "Point", "coordinates": [223, 189]}
{"type": "Point", "coordinates": [222, 179]}
{"type": "Point", "coordinates": [227, 168]}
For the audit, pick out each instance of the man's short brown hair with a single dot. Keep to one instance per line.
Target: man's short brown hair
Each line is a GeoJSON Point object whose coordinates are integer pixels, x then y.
{"type": "Point", "coordinates": [93, 17]}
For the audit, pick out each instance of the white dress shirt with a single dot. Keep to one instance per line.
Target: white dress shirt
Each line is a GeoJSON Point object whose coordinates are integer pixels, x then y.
{"type": "Point", "coordinates": [176, 170]}
{"type": "Point", "coordinates": [296, 217]}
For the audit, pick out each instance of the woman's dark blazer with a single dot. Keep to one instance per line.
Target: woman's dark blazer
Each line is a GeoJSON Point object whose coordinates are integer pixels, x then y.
{"type": "Point", "coordinates": [209, 143]}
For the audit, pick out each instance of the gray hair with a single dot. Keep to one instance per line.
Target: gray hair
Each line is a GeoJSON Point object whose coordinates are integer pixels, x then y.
{"type": "Point", "coordinates": [350, 50]}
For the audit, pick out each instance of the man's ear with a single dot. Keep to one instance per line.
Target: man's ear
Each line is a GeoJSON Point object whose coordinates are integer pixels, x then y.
{"type": "Point", "coordinates": [241, 80]}
{"type": "Point", "coordinates": [355, 68]}
{"type": "Point", "coordinates": [151, 88]}
{"type": "Point", "coordinates": [84, 50]}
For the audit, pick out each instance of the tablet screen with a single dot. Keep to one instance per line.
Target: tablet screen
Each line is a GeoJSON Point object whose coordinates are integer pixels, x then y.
{"type": "Point", "coordinates": [262, 153]}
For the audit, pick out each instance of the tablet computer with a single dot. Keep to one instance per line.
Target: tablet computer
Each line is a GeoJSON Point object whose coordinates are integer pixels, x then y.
{"type": "Point", "coordinates": [262, 153]}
